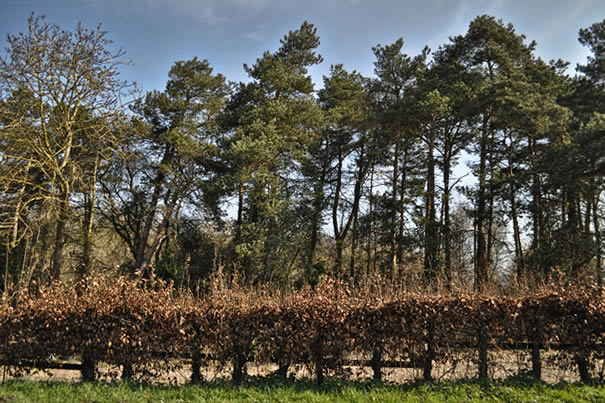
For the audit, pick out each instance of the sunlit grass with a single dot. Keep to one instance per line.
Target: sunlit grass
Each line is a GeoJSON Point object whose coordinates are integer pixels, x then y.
{"type": "Point", "coordinates": [261, 390]}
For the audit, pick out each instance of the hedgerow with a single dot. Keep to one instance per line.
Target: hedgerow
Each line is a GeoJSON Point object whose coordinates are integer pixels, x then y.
{"type": "Point", "coordinates": [148, 327]}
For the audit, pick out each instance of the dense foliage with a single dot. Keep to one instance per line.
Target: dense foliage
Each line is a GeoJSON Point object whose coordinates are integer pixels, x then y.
{"type": "Point", "coordinates": [477, 164]}
{"type": "Point", "coordinates": [145, 327]}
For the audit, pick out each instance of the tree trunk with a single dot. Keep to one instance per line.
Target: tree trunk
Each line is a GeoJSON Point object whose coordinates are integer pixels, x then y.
{"type": "Point", "coordinates": [370, 236]}
{"type": "Point", "coordinates": [447, 242]}
{"type": "Point", "coordinates": [361, 174]}
{"type": "Point", "coordinates": [404, 183]}
{"type": "Point", "coordinates": [536, 207]}
{"type": "Point", "coordinates": [59, 246]}
{"type": "Point", "coordinates": [335, 207]}
{"type": "Point", "coordinates": [597, 232]}
{"type": "Point", "coordinates": [89, 221]}
{"type": "Point", "coordinates": [318, 205]}
{"type": "Point", "coordinates": [395, 191]}
{"type": "Point", "coordinates": [482, 258]}
{"type": "Point", "coordinates": [431, 241]}
{"type": "Point", "coordinates": [142, 243]}
{"type": "Point", "coordinates": [517, 237]}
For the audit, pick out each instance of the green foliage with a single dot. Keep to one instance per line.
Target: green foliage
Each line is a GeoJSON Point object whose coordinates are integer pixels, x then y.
{"type": "Point", "coordinates": [356, 178]}
{"type": "Point", "coordinates": [274, 130]}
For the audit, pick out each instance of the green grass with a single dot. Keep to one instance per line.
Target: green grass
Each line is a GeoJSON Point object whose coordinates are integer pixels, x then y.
{"type": "Point", "coordinates": [260, 390]}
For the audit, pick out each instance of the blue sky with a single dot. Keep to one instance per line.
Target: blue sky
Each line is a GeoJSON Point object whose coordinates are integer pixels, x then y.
{"type": "Point", "coordinates": [156, 33]}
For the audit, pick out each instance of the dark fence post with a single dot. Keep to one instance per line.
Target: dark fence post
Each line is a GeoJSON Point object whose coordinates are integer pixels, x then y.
{"type": "Point", "coordinates": [282, 367]}
{"type": "Point", "coordinates": [88, 368]}
{"type": "Point", "coordinates": [196, 365]}
{"type": "Point", "coordinates": [127, 371]}
{"type": "Point", "coordinates": [583, 370]}
{"type": "Point", "coordinates": [377, 363]}
{"type": "Point", "coordinates": [239, 366]}
{"type": "Point", "coordinates": [536, 361]}
{"type": "Point", "coordinates": [483, 344]}
{"type": "Point", "coordinates": [318, 361]}
{"type": "Point", "coordinates": [429, 354]}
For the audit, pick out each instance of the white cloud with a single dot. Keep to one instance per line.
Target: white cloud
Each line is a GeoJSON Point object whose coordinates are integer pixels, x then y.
{"type": "Point", "coordinates": [214, 12]}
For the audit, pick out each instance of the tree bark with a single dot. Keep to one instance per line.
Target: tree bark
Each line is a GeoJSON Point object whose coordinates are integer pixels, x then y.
{"type": "Point", "coordinates": [395, 191]}
{"type": "Point", "coordinates": [597, 232]}
{"type": "Point", "coordinates": [57, 262]}
{"type": "Point", "coordinates": [482, 258]}
{"type": "Point", "coordinates": [431, 242]}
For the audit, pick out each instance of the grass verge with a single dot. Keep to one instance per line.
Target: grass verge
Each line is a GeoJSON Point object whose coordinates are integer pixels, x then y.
{"type": "Point", "coordinates": [262, 390]}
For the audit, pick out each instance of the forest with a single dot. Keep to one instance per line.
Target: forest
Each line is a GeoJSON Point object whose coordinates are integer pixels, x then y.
{"type": "Point", "coordinates": [476, 165]}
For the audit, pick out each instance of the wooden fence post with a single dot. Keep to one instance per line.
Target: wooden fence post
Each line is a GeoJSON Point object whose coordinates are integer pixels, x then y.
{"type": "Point", "coordinates": [196, 365]}
{"type": "Point", "coordinates": [89, 367]}
{"type": "Point", "coordinates": [377, 363]}
{"type": "Point", "coordinates": [536, 361]}
{"type": "Point", "coordinates": [483, 344]}
{"type": "Point", "coordinates": [429, 354]}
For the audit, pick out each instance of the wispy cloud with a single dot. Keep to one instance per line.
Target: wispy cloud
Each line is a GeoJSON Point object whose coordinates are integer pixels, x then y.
{"type": "Point", "coordinates": [457, 25]}
{"type": "Point", "coordinates": [552, 29]}
{"type": "Point", "coordinates": [214, 12]}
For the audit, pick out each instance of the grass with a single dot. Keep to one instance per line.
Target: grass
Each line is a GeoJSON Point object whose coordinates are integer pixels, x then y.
{"type": "Point", "coordinates": [262, 390]}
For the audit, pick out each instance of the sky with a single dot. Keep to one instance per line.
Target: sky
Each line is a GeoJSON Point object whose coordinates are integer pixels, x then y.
{"type": "Point", "coordinates": [228, 33]}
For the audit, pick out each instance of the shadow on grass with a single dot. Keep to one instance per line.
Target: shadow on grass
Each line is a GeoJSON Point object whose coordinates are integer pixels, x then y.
{"type": "Point", "coordinates": [329, 386]}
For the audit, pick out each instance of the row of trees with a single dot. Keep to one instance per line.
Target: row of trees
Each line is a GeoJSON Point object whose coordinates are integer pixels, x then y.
{"type": "Point", "coordinates": [277, 182]}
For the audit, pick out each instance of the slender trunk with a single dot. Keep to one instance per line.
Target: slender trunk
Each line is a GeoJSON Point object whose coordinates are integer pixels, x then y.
{"type": "Point", "coordinates": [370, 236]}
{"type": "Point", "coordinates": [395, 190]}
{"type": "Point", "coordinates": [361, 173]}
{"type": "Point", "coordinates": [587, 220]}
{"type": "Point", "coordinates": [517, 236]}
{"type": "Point", "coordinates": [6, 269]}
{"type": "Point", "coordinates": [482, 262]}
{"type": "Point", "coordinates": [597, 234]}
{"type": "Point", "coordinates": [15, 229]}
{"type": "Point", "coordinates": [89, 219]}
{"type": "Point", "coordinates": [240, 211]}
{"type": "Point", "coordinates": [572, 231]}
{"type": "Point", "coordinates": [447, 241]}
{"type": "Point", "coordinates": [430, 230]}
{"type": "Point", "coordinates": [315, 224]}
{"type": "Point", "coordinates": [536, 206]}
{"type": "Point", "coordinates": [147, 257]}
{"type": "Point", "coordinates": [490, 230]}
{"type": "Point", "coordinates": [140, 261]}
{"type": "Point", "coordinates": [354, 242]}
{"type": "Point", "coordinates": [490, 216]}
{"type": "Point", "coordinates": [335, 207]}
{"type": "Point", "coordinates": [402, 196]}
{"type": "Point", "coordinates": [57, 261]}
{"type": "Point", "coordinates": [318, 205]}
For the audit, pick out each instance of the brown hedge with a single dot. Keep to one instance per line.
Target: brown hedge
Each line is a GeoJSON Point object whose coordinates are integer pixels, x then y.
{"type": "Point", "coordinates": [143, 325]}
